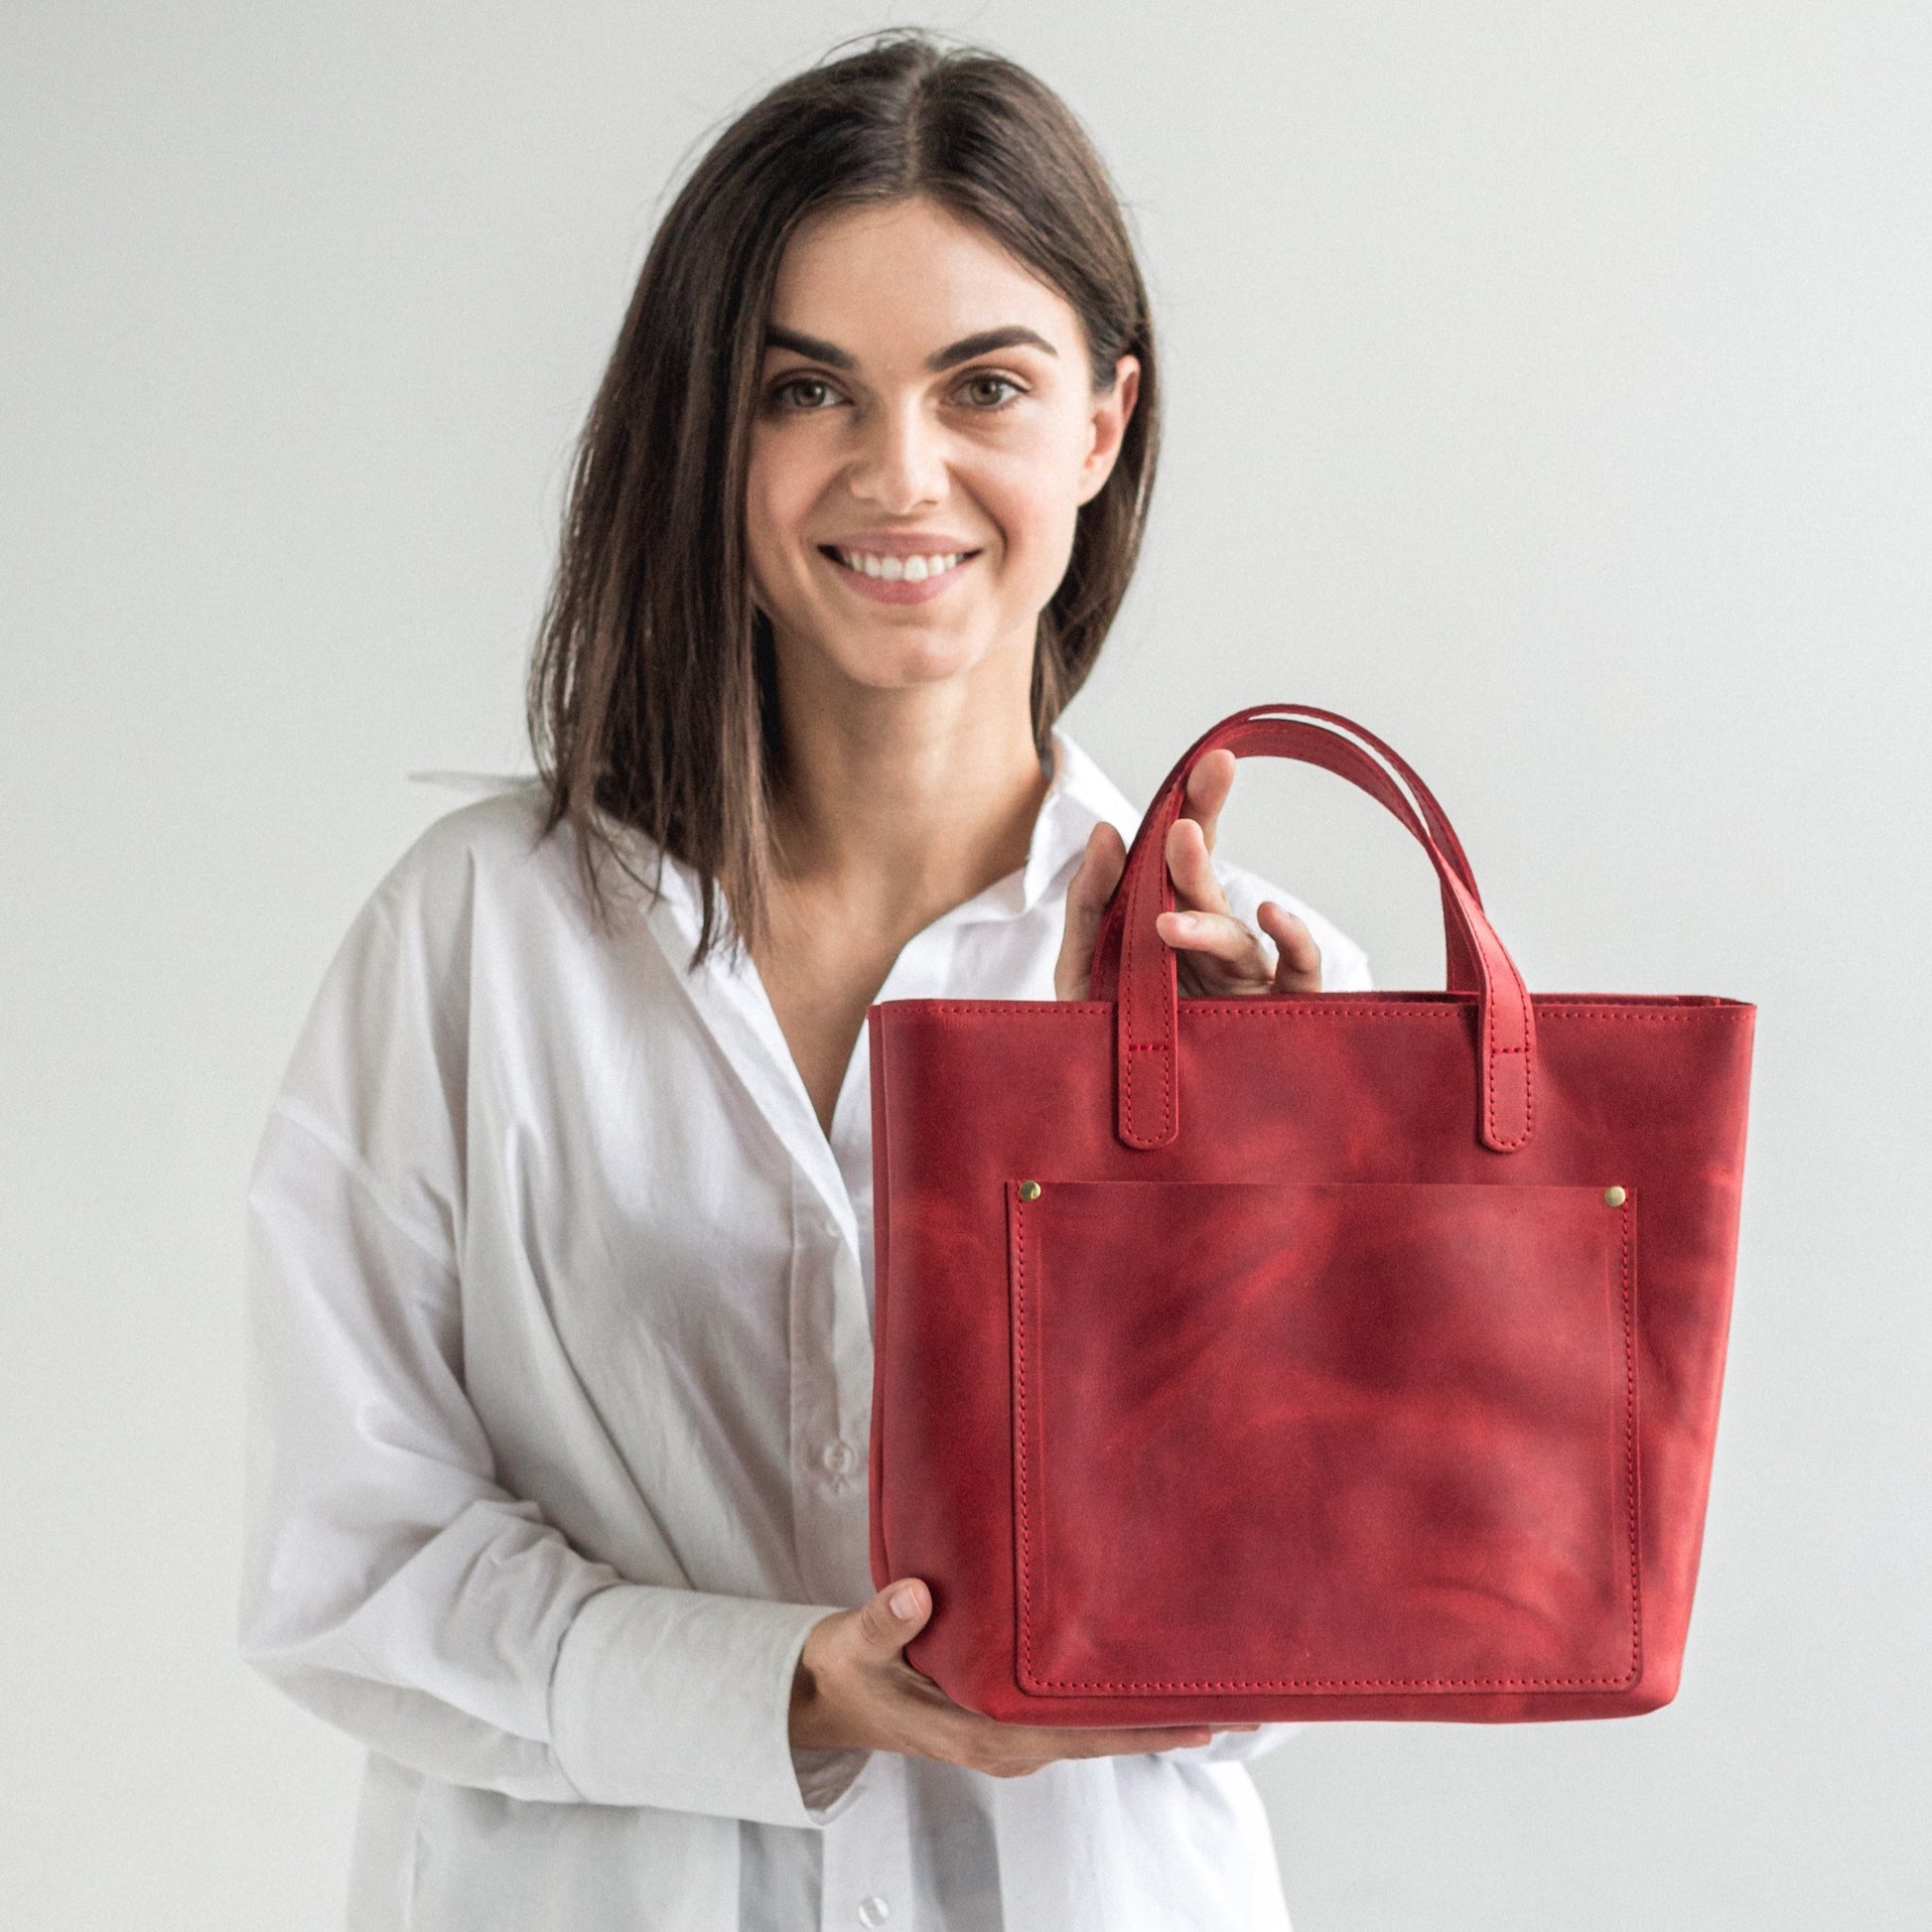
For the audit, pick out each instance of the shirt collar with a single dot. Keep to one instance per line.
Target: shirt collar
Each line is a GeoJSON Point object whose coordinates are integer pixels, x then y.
{"type": "Point", "coordinates": [1078, 797]}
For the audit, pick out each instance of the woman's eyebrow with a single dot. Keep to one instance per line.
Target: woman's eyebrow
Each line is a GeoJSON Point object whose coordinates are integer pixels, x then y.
{"type": "Point", "coordinates": [984, 342]}
{"type": "Point", "coordinates": [1012, 336]}
{"type": "Point", "coordinates": [813, 346]}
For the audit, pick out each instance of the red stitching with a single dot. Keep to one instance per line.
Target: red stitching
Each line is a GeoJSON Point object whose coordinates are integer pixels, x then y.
{"type": "Point", "coordinates": [1343, 1684]}
{"type": "Point", "coordinates": [1259, 1008]}
{"type": "Point", "coordinates": [1255, 1008]}
{"type": "Point", "coordinates": [1509, 1146]}
{"type": "Point", "coordinates": [1630, 1452]}
{"type": "Point", "coordinates": [1689, 1017]}
{"type": "Point", "coordinates": [1020, 1409]}
{"type": "Point", "coordinates": [1125, 1013]}
{"type": "Point", "coordinates": [1167, 1084]}
{"type": "Point", "coordinates": [1528, 1059]}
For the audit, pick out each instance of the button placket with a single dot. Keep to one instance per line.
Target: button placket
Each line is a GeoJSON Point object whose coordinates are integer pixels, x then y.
{"type": "Point", "coordinates": [831, 1399]}
{"type": "Point", "coordinates": [868, 1866]}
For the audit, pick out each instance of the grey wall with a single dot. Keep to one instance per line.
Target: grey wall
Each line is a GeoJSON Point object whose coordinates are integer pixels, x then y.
{"type": "Point", "coordinates": [1549, 389]}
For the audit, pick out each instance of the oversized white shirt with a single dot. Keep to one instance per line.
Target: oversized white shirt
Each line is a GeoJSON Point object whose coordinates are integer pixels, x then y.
{"type": "Point", "coordinates": [560, 1378]}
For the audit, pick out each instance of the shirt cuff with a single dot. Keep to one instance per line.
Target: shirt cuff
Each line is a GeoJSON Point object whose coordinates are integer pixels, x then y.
{"type": "Point", "coordinates": [682, 1699]}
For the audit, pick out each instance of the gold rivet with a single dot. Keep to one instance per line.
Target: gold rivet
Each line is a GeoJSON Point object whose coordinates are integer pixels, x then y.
{"type": "Point", "coordinates": [1030, 1190]}
{"type": "Point", "coordinates": [1615, 1198]}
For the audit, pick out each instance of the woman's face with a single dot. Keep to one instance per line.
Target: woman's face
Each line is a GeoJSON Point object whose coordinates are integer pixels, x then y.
{"type": "Point", "coordinates": [926, 431]}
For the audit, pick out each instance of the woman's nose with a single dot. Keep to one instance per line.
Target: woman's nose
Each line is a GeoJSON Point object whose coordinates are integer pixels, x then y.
{"type": "Point", "coordinates": [900, 462]}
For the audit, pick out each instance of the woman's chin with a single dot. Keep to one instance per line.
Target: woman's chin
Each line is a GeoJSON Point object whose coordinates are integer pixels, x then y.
{"type": "Point", "coordinates": [901, 657]}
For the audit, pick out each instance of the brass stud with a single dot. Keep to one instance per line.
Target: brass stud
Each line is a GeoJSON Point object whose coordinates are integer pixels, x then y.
{"type": "Point", "coordinates": [1615, 1198]}
{"type": "Point", "coordinates": [1030, 1190]}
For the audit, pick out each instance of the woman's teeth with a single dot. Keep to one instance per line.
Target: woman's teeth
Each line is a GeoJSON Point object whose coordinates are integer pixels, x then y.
{"type": "Point", "coordinates": [915, 570]}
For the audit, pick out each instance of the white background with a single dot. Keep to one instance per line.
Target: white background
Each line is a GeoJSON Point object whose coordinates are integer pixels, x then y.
{"type": "Point", "coordinates": [1548, 388]}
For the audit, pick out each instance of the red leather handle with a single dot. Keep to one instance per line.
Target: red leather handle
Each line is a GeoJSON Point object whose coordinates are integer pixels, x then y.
{"type": "Point", "coordinates": [1319, 743]}
{"type": "Point", "coordinates": [1135, 967]}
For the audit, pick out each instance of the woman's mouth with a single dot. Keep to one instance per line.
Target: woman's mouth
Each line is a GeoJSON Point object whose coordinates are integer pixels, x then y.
{"type": "Point", "coordinates": [897, 579]}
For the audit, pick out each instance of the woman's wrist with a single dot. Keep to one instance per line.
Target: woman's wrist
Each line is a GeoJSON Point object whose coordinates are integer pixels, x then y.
{"type": "Point", "coordinates": [811, 1720]}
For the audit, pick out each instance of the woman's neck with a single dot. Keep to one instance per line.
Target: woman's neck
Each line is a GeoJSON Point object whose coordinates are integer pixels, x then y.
{"type": "Point", "coordinates": [899, 804]}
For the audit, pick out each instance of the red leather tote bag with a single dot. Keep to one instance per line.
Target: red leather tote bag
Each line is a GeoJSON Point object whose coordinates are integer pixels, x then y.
{"type": "Point", "coordinates": [1314, 1356]}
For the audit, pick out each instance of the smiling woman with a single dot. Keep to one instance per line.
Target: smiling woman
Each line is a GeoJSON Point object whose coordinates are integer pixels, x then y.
{"type": "Point", "coordinates": [560, 1264]}
{"type": "Point", "coordinates": [778, 339]}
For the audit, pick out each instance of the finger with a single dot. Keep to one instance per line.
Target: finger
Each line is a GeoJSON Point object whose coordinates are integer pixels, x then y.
{"type": "Point", "coordinates": [1088, 893]}
{"type": "Point", "coordinates": [1298, 965]}
{"type": "Point", "coordinates": [1219, 937]}
{"type": "Point", "coordinates": [1209, 785]}
{"type": "Point", "coordinates": [890, 1621]}
{"type": "Point", "coordinates": [1195, 882]}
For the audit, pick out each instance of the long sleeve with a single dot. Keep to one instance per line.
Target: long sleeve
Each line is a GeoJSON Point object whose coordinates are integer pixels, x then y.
{"type": "Point", "coordinates": [392, 1582]}
{"type": "Point", "coordinates": [395, 1589]}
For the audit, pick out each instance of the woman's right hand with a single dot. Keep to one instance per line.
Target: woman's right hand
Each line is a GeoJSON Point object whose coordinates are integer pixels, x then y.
{"type": "Point", "coordinates": [854, 1690]}
{"type": "Point", "coordinates": [1218, 956]}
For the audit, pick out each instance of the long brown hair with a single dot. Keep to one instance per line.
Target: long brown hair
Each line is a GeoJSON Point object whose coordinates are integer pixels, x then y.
{"type": "Point", "coordinates": [652, 696]}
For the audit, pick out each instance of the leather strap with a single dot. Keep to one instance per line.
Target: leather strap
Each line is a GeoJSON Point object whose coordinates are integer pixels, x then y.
{"type": "Point", "coordinates": [1135, 967]}
{"type": "Point", "coordinates": [1462, 972]}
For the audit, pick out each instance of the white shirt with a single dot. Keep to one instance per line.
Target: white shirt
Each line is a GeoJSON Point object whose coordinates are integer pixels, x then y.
{"type": "Point", "coordinates": [560, 1377]}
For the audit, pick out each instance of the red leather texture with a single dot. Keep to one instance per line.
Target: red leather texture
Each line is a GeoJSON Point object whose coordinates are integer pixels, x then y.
{"type": "Point", "coordinates": [1311, 1357]}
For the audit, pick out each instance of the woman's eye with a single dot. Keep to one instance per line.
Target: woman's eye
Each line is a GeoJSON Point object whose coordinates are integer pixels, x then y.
{"type": "Point", "coordinates": [988, 391]}
{"type": "Point", "coordinates": [803, 392]}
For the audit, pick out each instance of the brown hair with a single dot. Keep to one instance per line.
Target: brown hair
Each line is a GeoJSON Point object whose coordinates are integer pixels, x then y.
{"type": "Point", "coordinates": [651, 699]}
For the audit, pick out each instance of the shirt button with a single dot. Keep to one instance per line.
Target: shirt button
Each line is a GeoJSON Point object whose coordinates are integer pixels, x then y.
{"type": "Point", "coordinates": [830, 1228]}
{"type": "Point", "coordinates": [874, 1910]}
{"type": "Point", "coordinates": [838, 1458]}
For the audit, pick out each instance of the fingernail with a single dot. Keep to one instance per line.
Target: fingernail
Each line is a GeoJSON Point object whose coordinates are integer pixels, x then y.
{"type": "Point", "coordinates": [904, 1603]}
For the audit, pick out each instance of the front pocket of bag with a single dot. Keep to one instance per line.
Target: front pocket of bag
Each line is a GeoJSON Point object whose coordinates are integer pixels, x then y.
{"type": "Point", "coordinates": [1332, 1436]}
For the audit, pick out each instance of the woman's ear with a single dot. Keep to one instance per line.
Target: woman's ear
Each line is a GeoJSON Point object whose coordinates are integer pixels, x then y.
{"type": "Point", "coordinates": [1112, 407]}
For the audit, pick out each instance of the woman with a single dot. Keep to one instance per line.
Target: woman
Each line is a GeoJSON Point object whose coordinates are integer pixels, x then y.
{"type": "Point", "coordinates": [560, 1232]}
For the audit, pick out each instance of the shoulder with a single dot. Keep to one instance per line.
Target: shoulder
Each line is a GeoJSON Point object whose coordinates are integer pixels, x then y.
{"type": "Point", "coordinates": [491, 877]}
{"type": "Point", "coordinates": [497, 843]}
{"type": "Point", "coordinates": [392, 1009]}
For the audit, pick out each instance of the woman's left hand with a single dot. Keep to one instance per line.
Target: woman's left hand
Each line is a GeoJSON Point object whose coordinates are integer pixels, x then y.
{"type": "Point", "coordinates": [1218, 954]}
